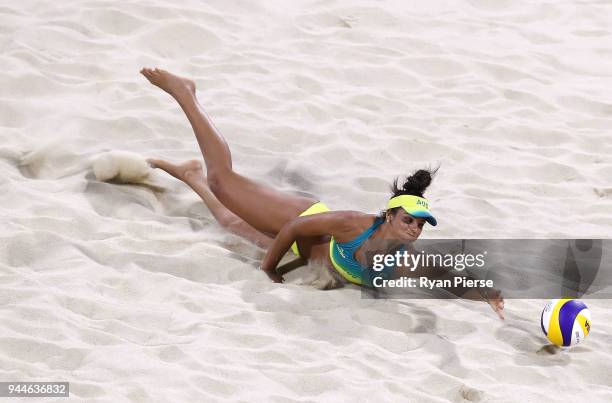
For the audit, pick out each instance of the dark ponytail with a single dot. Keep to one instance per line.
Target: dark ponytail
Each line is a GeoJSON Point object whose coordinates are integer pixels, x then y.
{"type": "Point", "coordinates": [415, 184]}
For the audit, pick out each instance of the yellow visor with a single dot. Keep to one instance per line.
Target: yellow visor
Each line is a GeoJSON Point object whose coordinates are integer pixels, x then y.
{"type": "Point", "coordinates": [414, 205]}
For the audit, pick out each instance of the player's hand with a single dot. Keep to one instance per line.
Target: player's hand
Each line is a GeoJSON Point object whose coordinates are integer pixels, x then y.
{"type": "Point", "coordinates": [496, 301]}
{"type": "Point", "coordinates": [273, 275]}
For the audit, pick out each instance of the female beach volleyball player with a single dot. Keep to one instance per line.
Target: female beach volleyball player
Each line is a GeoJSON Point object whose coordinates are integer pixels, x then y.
{"type": "Point", "coordinates": [281, 221]}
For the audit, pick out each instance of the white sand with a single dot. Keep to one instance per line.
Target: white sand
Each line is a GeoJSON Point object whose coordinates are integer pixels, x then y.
{"type": "Point", "coordinates": [136, 295]}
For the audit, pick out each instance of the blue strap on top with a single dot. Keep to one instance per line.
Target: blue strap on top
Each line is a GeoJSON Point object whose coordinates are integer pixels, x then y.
{"type": "Point", "coordinates": [343, 255]}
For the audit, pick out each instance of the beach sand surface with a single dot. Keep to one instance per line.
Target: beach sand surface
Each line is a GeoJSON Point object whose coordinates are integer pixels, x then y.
{"type": "Point", "coordinates": [135, 294]}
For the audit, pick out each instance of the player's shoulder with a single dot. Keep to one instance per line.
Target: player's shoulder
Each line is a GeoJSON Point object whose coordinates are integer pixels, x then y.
{"type": "Point", "coordinates": [353, 222]}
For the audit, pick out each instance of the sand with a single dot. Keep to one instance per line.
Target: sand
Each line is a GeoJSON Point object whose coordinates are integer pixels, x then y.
{"type": "Point", "coordinates": [133, 294]}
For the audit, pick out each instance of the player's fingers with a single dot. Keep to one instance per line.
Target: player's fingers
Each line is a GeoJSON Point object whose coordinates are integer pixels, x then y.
{"type": "Point", "coordinates": [500, 310]}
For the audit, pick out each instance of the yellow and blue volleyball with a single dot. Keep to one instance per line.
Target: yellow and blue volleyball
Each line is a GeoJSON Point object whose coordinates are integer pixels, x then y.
{"type": "Point", "coordinates": [566, 322]}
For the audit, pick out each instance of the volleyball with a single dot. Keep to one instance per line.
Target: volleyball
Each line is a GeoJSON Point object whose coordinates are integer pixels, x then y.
{"type": "Point", "coordinates": [566, 322]}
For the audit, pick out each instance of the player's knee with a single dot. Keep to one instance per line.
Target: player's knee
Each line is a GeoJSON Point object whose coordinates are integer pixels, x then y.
{"type": "Point", "coordinates": [215, 183]}
{"type": "Point", "coordinates": [228, 221]}
{"type": "Point", "coordinates": [234, 225]}
{"type": "Point", "coordinates": [218, 180]}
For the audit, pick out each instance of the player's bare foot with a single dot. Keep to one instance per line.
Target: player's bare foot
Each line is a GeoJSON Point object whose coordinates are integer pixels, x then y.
{"type": "Point", "coordinates": [172, 84]}
{"type": "Point", "coordinates": [186, 171]}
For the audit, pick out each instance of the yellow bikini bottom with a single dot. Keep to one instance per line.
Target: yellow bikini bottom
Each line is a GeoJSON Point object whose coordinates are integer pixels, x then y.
{"type": "Point", "coordinates": [318, 207]}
